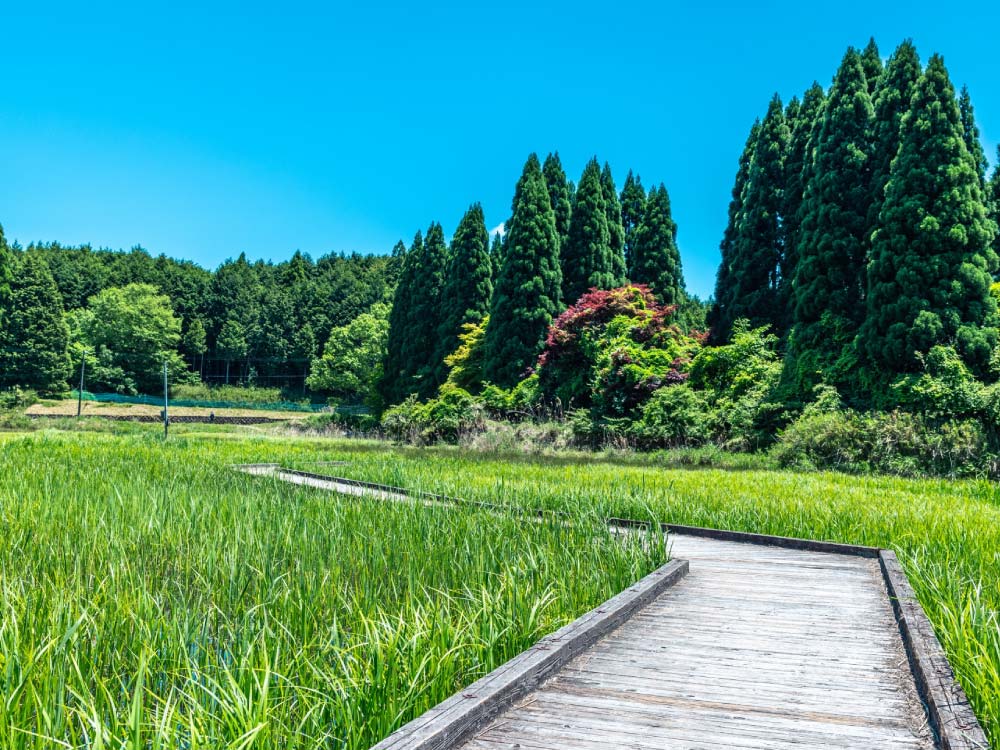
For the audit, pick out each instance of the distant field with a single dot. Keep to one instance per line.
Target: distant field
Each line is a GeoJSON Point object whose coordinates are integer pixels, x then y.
{"type": "Point", "coordinates": [67, 408]}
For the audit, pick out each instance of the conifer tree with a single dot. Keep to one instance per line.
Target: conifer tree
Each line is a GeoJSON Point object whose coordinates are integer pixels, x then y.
{"type": "Point", "coordinates": [633, 200]}
{"type": "Point", "coordinates": [527, 293]}
{"type": "Point", "coordinates": [396, 377]}
{"type": "Point", "coordinates": [559, 196]}
{"type": "Point", "coordinates": [871, 61]}
{"type": "Point", "coordinates": [829, 273]}
{"type": "Point", "coordinates": [995, 201]}
{"type": "Point", "coordinates": [35, 337]}
{"type": "Point", "coordinates": [759, 241]}
{"type": "Point", "coordinates": [425, 312]}
{"type": "Point", "coordinates": [930, 274]}
{"type": "Point", "coordinates": [720, 319]}
{"type": "Point", "coordinates": [6, 272]}
{"type": "Point", "coordinates": [496, 256]}
{"type": "Point", "coordinates": [891, 102]}
{"type": "Point", "coordinates": [970, 132]}
{"type": "Point", "coordinates": [803, 129]}
{"type": "Point", "coordinates": [616, 230]}
{"type": "Point", "coordinates": [656, 258]}
{"type": "Point", "coordinates": [468, 282]}
{"type": "Point", "coordinates": [587, 257]}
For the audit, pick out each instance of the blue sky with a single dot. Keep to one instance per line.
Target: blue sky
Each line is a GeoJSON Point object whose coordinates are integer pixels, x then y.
{"type": "Point", "coordinates": [267, 128]}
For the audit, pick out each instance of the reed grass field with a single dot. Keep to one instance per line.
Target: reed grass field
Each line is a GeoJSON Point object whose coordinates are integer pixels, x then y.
{"type": "Point", "coordinates": [152, 597]}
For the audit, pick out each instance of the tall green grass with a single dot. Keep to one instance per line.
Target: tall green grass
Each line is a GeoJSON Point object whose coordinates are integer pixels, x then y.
{"type": "Point", "coordinates": [946, 533]}
{"type": "Point", "coordinates": [150, 597]}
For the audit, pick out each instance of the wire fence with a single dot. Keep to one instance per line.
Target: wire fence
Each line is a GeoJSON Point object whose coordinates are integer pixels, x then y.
{"type": "Point", "coordinates": [296, 406]}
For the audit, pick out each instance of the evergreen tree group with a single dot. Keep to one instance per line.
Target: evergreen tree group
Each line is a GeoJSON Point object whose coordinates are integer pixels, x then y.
{"type": "Point", "coordinates": [862, 227]}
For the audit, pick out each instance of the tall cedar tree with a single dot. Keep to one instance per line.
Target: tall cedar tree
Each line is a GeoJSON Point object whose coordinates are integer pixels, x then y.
{"type": "Point", "coordinates": [616, 231]}
{"type": "Point", "coordinates": [468, 283]}
{"type": "Point", "coordinates": [970, 132]}
{"type": "Point", "coordinates": [656, 259]}
{"type": "Point", "coordinates": [496, 256]}
{"type": "Point", "coordinates": [829, 274]}
{"type": "Point", "coordinates": [424, 317]}
{"type": "Point", "coordinates": [995, 201]}
{"type": "Point", "coordinates": [930, 275]}
{"type": "Point", "coordinates": [395, 376]}
{"type": "Point", "coordinates": [891, 102]}
{"type": "Point", "coordinates": [527, 293]}
{"type": "Point", "coordinates": [802, 124]}
{"type": "Point", "coordinates": [586, 256]}
{"type": "Point", "coordinates": [559, 195]}
{"type": "Point", "coordinates": [633, 200]}
{"type": "Point", "coordinates": [6, 273]}
{"type": "Point", "coordinates": [720, 319]}
{"type": "Point", "coordinates": [35, 337]}
{"type": "Point", "coordinates": [758, 245]}
{"type": "Point", "coordinates": [871, 61]}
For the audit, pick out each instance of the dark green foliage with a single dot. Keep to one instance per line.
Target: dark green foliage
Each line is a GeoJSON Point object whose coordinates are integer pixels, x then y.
{"type": "Point", "coordinates": [6, 272]}
{"type": "Point", "coordinates": [527, 293]}
{"type": "Point", "coordinates": [759, 244]}
{"type": "Point", "coordinates": [930, 274]}
{"type": "Point", "coordinates": [587, 255]}
{"type": "Point", "coordinates": [656, 259]}
{"type": "Point", "coordinates": [891, 102]}
{"type": "Point", "coordinates": [396, 375]}
{"type": "Point", "coordinates": [994, 190]}
{"type": "Point", "coordinates": [496, 256]}
{"type": "Point", "coordinates": [829, 273]}
{"type": "Point", "coordinates": [34, 338]}
{"type": "Point", "coordinates": [633, 200]}
{"type": "Point", "coordinates": [803, 124]}
{"type": "Point", "coordinates": [468, 285]}
{"type": "Point", "coordinates": [616, 230]}
{"type": "Point", "coordinates": [871, 61]}
{"type": "Point", "coordinates": [424, 310]}
{"type": "Point", "coordinates": [559, 194]}
{"type": "Point", "coordinates": [970, 132]}
{"type": "Point", "coordinates": [720, 318]}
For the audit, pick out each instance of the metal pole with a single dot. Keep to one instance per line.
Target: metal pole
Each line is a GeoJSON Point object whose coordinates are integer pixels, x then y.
{"type": "Point", "coordinates": [166, 418]}
{"type": "Point", "coordinates": [79, 393]}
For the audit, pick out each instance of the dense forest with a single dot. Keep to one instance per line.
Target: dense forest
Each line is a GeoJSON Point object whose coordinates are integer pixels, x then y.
{"type": "Point", "coordinates": [857, 279]}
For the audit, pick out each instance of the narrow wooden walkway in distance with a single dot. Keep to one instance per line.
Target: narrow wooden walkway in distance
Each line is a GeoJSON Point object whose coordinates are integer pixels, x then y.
{"type": "Point", "coordinates": [758, 647]}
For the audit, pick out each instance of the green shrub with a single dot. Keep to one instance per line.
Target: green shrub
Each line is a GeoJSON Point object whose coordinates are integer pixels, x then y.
{"type": "Point", "coordinates": [17, 398]}
{"type": "Point", "coordinates": [454, 412]}
{"type": "Point", "coordinates": [675, 416]}
{"type": "Point", "coordinates": [231, 393]}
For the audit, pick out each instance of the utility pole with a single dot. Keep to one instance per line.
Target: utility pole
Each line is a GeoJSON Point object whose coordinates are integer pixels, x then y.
{"type": "Point", "coordinates": [79, 393]}
{"type": "Point", "coordinates": [166, 417]}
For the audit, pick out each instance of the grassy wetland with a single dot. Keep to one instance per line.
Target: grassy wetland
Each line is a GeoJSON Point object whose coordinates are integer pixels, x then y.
{"type": "Point", "coordinates": [152, 597]}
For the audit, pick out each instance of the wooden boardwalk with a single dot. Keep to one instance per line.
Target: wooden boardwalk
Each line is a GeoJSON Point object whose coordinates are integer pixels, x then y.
{"type": "Point", "coordinates": [756, 643]}
{"type": "Point", "coordinates": [757, 647]}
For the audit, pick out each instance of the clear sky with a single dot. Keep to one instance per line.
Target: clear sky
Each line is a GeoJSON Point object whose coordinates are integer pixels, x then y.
{"type": "Point", "coordinates": [271, 127]}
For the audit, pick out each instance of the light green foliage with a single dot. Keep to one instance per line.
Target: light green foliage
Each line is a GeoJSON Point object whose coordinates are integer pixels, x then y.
{"type": "Point", "coordinates": [739, 380]}
{"type": "Point", "coordinates": [676, 415]}
{"type": "Point", "coordinates": [351, 365]}
{"type": "Point", "coordinates": [465, 364]}
{"type": "Point", "coordinates": [154, 598]}
{"type": "Point", "coordinates": [135, 328]}
{"type": "Point", "coordinates": [34, 337]}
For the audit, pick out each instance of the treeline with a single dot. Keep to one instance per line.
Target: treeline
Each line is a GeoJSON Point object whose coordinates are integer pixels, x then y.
{"type": "Point", "coordinates": [125, 313]}
{"type": "Point", "coordinates": [862, 231]}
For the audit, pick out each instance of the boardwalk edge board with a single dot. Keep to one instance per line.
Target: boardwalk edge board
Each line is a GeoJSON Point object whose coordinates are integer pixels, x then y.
{"type": "Point", "coordinates": [948, 708]}
{"type": "Point", "coordinates": [457, 718]}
